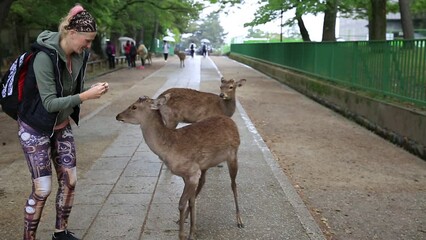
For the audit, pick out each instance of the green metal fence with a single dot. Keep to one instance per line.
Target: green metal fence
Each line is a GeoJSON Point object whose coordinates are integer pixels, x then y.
{"type": "Point", "coordinates": [390, 68]}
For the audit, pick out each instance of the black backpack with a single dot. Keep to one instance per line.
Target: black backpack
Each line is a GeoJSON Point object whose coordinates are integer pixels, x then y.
{"type": "Point", "coordinates": [12, 83]}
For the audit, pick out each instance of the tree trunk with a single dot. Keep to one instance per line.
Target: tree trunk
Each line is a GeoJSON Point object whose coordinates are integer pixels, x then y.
{"type": "Point", "coordinates": [4, 11]}
{"type": "Point", "coordinates": [154, 36]}
{"type": "Point", "coordinates": [329, 26]}
{"type": "Point", "coordinates": [377, 20]}
{"type": "Point", "coordinates": [303, 31]}
{"type": "Point", "coordinates": [406, 19]}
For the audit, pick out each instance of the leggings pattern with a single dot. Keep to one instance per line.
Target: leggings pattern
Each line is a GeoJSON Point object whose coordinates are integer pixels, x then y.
{"type": "Point", "coordinates": [40, 151]}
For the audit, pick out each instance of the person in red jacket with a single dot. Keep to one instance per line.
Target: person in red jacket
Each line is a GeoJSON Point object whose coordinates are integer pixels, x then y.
{"type": "Point", "coordinates": [127, 48]}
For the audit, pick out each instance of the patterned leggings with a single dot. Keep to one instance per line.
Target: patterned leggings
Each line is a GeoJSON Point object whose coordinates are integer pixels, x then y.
{"type": "Point", "coordinates": [39, 150]}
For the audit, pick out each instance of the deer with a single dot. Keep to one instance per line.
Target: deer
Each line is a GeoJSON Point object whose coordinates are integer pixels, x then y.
{"type": "Point", "coordinates": [188, 152]}
{"type": "Point", "coordinates": [149, 57]}
{"type": "Point", "coordinates": [182, 57]}
{"type": "Point", "coordinates": [189, 105]}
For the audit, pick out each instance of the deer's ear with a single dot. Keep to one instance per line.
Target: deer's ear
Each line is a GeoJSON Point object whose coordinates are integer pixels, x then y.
{"type": "Point", "coordinates": [222, 79]}
{"type": "Point", "coordinates": [143, 98]}
{"type": "Point", "coordinates": [167, 97]}
{"type": "Point", "coordinates": [241, 82]}
{"type": "Point", "coordinates": [157, 103]}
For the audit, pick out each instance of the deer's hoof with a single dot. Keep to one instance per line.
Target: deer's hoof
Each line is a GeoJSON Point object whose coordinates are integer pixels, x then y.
{"type": "Point", "coordinates": [240, 225]}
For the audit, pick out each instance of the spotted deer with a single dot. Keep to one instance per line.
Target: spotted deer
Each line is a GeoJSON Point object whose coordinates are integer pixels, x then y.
{"type": "Point", "coordinates": [188, 105]}
{"type": "Point", "coordinates": [188, 152]}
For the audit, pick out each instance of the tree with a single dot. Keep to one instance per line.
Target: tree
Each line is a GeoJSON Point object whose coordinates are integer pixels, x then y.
{"type": "Point", "coordinates": [377, 20]}
{"type": "Point", "coordinates": [300, 9]}
{"type": "Point", "coordinates": [418, 6]}
{"type": "Point", "coordinates": [4, 10]}
{"type": "Point", "coordinates": [273, 8]}
{"type": "Point", "coordinates": [211, 29]}
{"type": "Point", "coordinates": [303, 31]}
{"type": "Point", "coordinates": [144, 20]}
{"type": "Point", "coordinates": [208, 28]}
{"type": "Point", "coordinates": [114, 18]}
{"type": "Point", "coordinates": [406, 19]}
{"type": "Point", "coordinates": [256, 33]}
{"type": "Point", "coordinates": [330, 15]}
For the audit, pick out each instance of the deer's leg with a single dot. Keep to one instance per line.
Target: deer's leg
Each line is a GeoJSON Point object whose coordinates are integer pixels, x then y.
{"type": "Point", "coordinates": [192, 229]}
{"type": "Point", "coordinates": [233, 170]}
{"type": "Point", "coordinates": [201, 182]}
{"type": "Point", "coordinates": [188, 194]}
{"type": "Point", "coordinates": [200, 186]}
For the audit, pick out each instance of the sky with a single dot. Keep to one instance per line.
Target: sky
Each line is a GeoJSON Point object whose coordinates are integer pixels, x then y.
{"type": "Point", "coordinates": [233, 22]}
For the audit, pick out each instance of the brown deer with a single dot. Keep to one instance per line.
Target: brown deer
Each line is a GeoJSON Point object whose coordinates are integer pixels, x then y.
{"type": "Point", "coordinates": [149, 58]}
{"type": "Point", "coordinates": [189, 151]}
{"type": "Point", "coordinates": [182, 57]}
{"type": "Point", "coordinates": [189, 105]}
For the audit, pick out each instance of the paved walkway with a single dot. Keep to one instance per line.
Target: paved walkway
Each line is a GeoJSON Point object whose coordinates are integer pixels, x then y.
{"type": "Point", "coordinates": [129, 194]}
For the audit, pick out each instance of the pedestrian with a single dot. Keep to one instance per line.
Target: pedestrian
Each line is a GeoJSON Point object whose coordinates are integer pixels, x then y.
{"type": "Point", "coordinates": [192, 48]}
{"type": "Point", "coordinates": [44, 129]}
{"type": "Point", "coordinates": [143, 54]}
{"type": "Point", "coordinates": [133, 53]}
{"type": "Point", "coordinates": [127, 47]}
{"type": "Point", "coordinates": [110, 51]}
{"type": "Point", "coordinates": [166, 47]}
{"type": "Point", "coordinates": [204, 50]}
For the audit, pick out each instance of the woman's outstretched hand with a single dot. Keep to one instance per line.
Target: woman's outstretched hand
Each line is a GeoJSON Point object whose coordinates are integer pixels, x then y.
{"type": "Point", "coordinates": [95, 91]}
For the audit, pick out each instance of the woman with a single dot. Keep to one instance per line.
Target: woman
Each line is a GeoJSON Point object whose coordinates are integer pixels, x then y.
{"type": "Point", "coordinates": [110, 51]}
{"type": "Point", "coordinates": [166, 47]}
{"type": "Point", "coordinates": [44, 116]}
{"type": "Point", "coordinates": [127, 47]}
{"type": "Point", "coordinates": [133, 53]}
{"type": "Point", "coordinates": [143, 54]}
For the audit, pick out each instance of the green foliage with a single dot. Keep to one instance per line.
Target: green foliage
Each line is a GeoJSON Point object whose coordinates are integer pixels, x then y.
{"type": "Point", "coordinates": [208, 28]}
{"type": "Point", "coordinates": [46, 15]}
{"type": "Point", "coordinates": [418, 6]}
{"type": "Point", "coordinates": [114, 17]}
{"type": "Point", "coordinates": [143, 20]}
{"type": "Point", "coordinates": [211, 29]}
{"type": "Point", "coordinates": [272, 9]}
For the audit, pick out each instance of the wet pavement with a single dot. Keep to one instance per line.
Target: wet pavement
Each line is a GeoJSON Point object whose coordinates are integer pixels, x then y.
{"type": "Point", "coordinates": [129, 194]}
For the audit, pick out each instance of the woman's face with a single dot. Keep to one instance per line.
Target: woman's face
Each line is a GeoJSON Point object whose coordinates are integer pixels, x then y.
{"type": "Point", "coordinates": [81, 40]}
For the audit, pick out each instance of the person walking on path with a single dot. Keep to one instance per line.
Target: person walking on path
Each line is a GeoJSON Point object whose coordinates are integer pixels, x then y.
{"type": "Point", "coordinates": [44, 129]}
{"type": "Point", "coordinates": [166, 48]}
{"type": "Point", "coordinates": [204, 50]}
{"type": "Point", "coordinates": [110, 51]}
{"type": "Point", "coordinates": [192, 49]}
{"type": "Point", "coordinates": [143, 53]}
{"type": "Point", "coordinates": [133, 53]}
{"type": "Point", "coordinates": [127, 47]}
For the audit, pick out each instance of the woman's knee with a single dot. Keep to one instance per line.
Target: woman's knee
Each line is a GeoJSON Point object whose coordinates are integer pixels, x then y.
{"type": "Point", "coordinates": [43, 186]}
{"type": "Point", "coordinates": [72, 176]}
{"type": "Point", "coordinates": [68, 177]}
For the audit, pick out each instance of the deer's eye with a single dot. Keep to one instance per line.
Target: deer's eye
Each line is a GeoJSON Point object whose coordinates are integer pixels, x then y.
{"type": "Point", "coordinates": [133, 107]}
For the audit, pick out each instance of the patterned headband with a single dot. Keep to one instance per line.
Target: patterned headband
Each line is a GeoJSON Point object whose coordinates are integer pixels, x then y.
{"type": "Point", "coordinates": [82, 22]}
